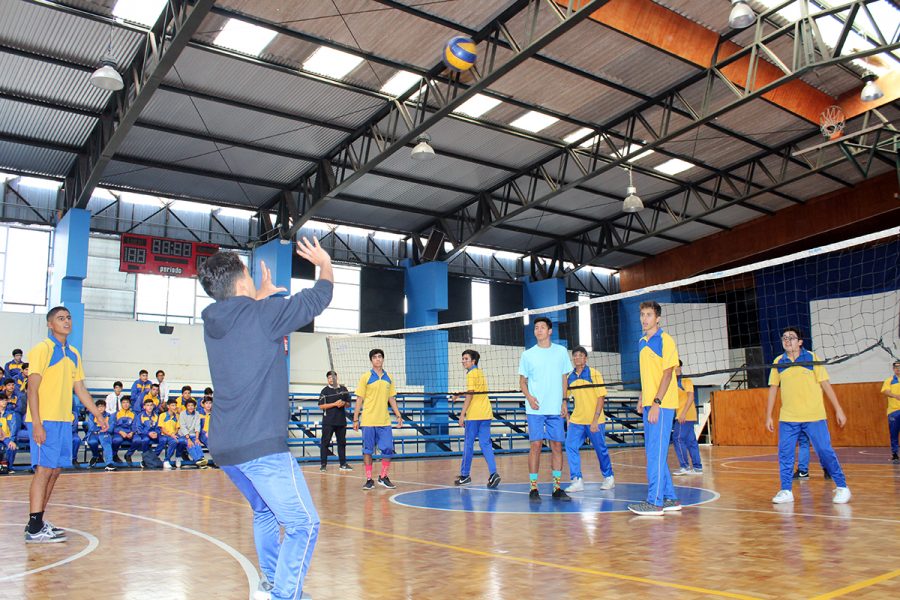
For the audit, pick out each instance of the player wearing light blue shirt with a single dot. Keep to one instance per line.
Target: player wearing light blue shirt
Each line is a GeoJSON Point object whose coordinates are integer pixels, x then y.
{"type": "Point", "coordinates": [543, 379]}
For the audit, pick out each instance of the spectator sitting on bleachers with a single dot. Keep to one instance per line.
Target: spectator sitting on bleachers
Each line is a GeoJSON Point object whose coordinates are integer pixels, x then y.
{"type": "Point", "coordinates": [22, 381]}
{"type": "Point", "coordinates": [186, 391]}
{"type": "Point", "coordinates": [163, 386]}
{"type": "Point", "coordinates": [113, 401]}
{"type": "Point", "coordinates": [122, 427]}
{"type": "Point", "coordinates": [13, 367]}
{"type": "Point", "coordinates": [206, 415]}
{"type": "Point", "coordinates": [14, 398]}
{"type": "Point", "coordinates": [159, 406]}
{"type": "Point", "coordinates": [146, 432]}
{"type": "Point", "coordinates": [189, 432]}
{"type": "Point", "coordinates": [97, 439]}
{"type": "Point", "coordinates": [8, 428]}
{"type": "Point", "coordinates": [140, 388]}
{"type": "Point", "coordinates": [15, 412]}
{"type": "Point", "coordinates": [168, 433]}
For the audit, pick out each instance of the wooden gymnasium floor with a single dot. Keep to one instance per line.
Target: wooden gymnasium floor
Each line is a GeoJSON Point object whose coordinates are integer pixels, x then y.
{"type": "Point", "coordinates": [187, 534]}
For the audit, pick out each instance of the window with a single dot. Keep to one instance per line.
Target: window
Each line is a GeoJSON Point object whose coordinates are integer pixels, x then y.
{"type": "Point", "coordinates": [584, 323]}
{"type": "Point", "coordinates": [27, 257]}
{"type": "Point", "coordinates": [481, 309]}
{"type": "Point", "coordinates": [342, 315]}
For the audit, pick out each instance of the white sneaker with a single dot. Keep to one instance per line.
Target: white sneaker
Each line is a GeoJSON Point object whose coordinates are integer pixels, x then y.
{"type": "Point", "coordinates": [264, 590]}
{"type": "Point", "coordinates": [841, 495]}
{"type": "Point", "coordinates": [178, 463]}
{"type": "Point", "coordinates": [783, 497]}
{"type": "Point", "coordinates": [577, 485]}
{"type": "Point", "coordinates": [167, 466]}
{"type": "Point", "coordinates": [682, 471]}
{"type": "Point", "coordinates": [608, 483]}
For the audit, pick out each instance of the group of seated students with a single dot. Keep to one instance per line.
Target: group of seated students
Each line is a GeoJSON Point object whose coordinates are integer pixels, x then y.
{"type": "Point", "coordinates": [147, 421]}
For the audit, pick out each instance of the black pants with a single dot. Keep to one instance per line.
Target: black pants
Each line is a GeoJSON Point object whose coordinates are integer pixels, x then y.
{"type": "Point", "coordinates": [340, 432]}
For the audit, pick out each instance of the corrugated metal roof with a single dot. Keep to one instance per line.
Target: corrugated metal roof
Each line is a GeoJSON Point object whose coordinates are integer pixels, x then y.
{"type": "Point", "coordinates": [18, 157]}
{"type": "Point", "coordinates": [405, 193]}
{"type": "Point", "coordinates": [478, 142]}
{"type": "Point", "coordinates": [653, 245]}
{"type": "Point", "coordinates": [43, 123]}
{"type": "Point", "coordinates": [36, 79]}
{"type": "Point", "coordinates": [352, 212]}
{"type": "Point", "coordinates": [712, 14]}
{"type": "Point", "coordinates": [549, 223]}
{"type": "Point", "coordinates": [474, 14]}
{"type": "Point", "coordinates": [443, 169]}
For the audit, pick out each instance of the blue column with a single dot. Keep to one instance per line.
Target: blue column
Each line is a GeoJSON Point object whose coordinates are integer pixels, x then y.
{"type": "Point", "coordinates": [541, 294]}
{"type": "Point", "coordinates": [70, 255]}
{"type": "Point", "coordinates": [630, 332]}
{"type": "Point", "coordinates": [426, 352]}
{"type": "Point", "coordinates": [277, 254]}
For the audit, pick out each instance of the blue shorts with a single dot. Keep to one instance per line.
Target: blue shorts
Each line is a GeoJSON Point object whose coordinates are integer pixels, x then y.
{"type": "Point", "coordinates": [380, 437]}
{"type": "Point", "coordinates": [56, 451]}
{"type": "Point", "coordinates": [546, 427]}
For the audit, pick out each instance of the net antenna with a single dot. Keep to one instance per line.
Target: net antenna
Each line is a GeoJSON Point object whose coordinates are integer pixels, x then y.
{"type": "Point", "coordinates": [832, 122]}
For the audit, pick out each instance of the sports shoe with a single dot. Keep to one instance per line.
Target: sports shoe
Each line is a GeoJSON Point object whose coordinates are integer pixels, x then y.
{"type": "Point", "coordinates": [128, 461]}
{"type": "Point", "coordinates": [4, 470]}
{"type": "Point", "coordinates": [263, 590]}
{"type": "Point", "coordinates": [783, 497]}
{"type": "Point", "coordinates": [681, 472]}
{"type": "Point", "coordinates": [167, 466]}
{"type": "Point", "coordinates": [493, 481]}
{"type": "Point", "coordinates": [345, 468]}
{"type": "Point", "coordinates": [841, 495]}
{"type": "Point", "coordinates": [386, 482]}
{"type": "Point", "coordinates": [93, 462]}
{"type": "Point", "coordinates": [560, 494]}
{"type": "Point", "coordinates": [369, 485]}
{"type": "Point", "coordinates": [202, 462]}
{"type": "Point", "coordinates": [45, 536]}
{"type": "Point", "coordinates": [646, 509]}
{"type": "Point", "coordinates": [534, 495]}
{"type": "Point", "coordinates": [116, 458]}
{"type": "Point", "coordinates": [322, 469]}
{"type": "Point", "coordinates": [52, 526]}
{"type": "Point", "coordinates": [798, 474]}
{"type": "Point", "coordinates": [577, 485]}
{"type": "Point", "coordinates": [671, 505]}
{"type": "Point", "coordinates": [608, 483]}
{"type": "Point", "coordinates": [111, 467]}
{"type": "Point", "coordinates": [462, 480]}
{"type": "Point", "coordinates": [177, 463]}
{"type": "Point", "coordinates": [697, 471]}
{"type": "Point", "coordinates": [895, 457]}
{"type": "Point", "coordinates": [827, 474]}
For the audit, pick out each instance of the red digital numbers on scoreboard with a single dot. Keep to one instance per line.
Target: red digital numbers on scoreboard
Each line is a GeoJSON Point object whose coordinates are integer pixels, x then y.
{"type": "Point", "coordinates": [163, 256]}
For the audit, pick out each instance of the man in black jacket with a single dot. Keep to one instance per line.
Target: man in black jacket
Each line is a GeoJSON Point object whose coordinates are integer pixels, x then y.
{"type": "Point", "coordinates": [333, 401]}
{"type": "Point", "coordinates": [244, 331]}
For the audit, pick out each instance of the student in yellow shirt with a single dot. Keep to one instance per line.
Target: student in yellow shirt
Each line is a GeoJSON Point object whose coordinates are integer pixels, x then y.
{"type": "Point", "coordinates": [168, 432]}
{"type": "Point", "coordinates": [891, 390]}
{"type": "Point", "coordinates": [683, 435]}
{"type": "Point", "coordinates": [587, 421]}
{"type": "Point", "coordinates": [8, 430]}
{"type": "Point", "coordinates": [376, 391]}
{"type": "Point", "coordinates": [803, 410]}
{"type": "Point", "coordinates": [153, 396]}
{"type": "Point", "coordinates": [475, 418]}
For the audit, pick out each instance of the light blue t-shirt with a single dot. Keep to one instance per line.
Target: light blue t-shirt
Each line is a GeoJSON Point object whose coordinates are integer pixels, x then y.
{"type": "Point", "coordinates": [544, 368]}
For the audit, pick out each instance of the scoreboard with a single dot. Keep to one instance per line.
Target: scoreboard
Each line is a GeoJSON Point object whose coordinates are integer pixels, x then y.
{"type": "Point", "coordinates": [163, 256]}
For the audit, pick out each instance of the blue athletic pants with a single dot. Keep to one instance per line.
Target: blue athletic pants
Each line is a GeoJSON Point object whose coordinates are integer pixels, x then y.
{"type": "Point", "coordinates": [482, 430]}
{"type": "Point", "coordinates": [788, 432]}
{"type": "Point", "coordinates": [894, 428]}
{"type": "Point", "coordinates": [277, 493]}
{"type": "Point", "coordinates": [686, 446]}
{"type": "Point", "coordinates": [575, 437]}
{"type": "Point", "coordinates": [656, 445]}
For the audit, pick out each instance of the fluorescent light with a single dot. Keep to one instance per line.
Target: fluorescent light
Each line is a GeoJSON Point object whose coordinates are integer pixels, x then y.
{"type": "Point", "coordinates": [400, 83]}
{"type": "Point", "coordinates": [244, 37]}
{"type": "Point", "coordinates": [41, 184]}
{"type": "Point", "coordinates": [673, 166]}
{"type": "Point", "coordinates": [331, 63]}
{"type": "Point", "coordinates": [143, 12]}
{"type": "Point", "coordinates": [632, 148]}
{"type": "Point", "coordinates": [534, 121]}
{"type": "Point", "coordinates": [577, 135]}
{"type": "Point", "coordinates": [476, 106]}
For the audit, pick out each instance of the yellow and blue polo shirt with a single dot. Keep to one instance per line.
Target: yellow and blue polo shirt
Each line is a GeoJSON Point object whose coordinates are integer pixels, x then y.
{"type": "Point", "coordinates": [892, 385]}
{"type": "Point", "coordinates": [480, 406]}
{"type": "Point", "coordinates": [685, 389]}
{"type": "Point", "coordinates": [59, 367]}
{"type": "Point", "coordinates": [168, 425]}
{"type": "Point", "coordinates": [207, 417]}
{"type": "Point", "coordinates": [801, 388]}
{"type": "Point", "coordinates": [586, 399]}
{"type": "Point", "coordinates": [658, 353]}
{"type": "Point", "coordinates": [376, 391]}
{"type": "Point", "coordinates": [6, 426]}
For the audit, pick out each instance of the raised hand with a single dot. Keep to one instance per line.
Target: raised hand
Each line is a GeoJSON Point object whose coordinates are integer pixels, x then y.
{"type": "Point", "coordinates": [313, 252]}
{"type": "Point", "coordinates": [266, 287]}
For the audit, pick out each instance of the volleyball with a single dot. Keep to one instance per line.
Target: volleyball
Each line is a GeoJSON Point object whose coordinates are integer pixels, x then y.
{"type": "Point", "coordinates": [460, 53]}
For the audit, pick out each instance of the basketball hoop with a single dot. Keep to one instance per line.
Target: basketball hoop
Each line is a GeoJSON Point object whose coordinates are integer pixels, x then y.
{"type": "Point", "coordinates": [832, 121]}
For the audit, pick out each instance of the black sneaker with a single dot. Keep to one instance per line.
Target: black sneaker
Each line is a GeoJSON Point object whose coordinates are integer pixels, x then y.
{"type": "Point", "coordinates": [386, 482]}
{"type": "Point", "coordinates": [827, 474]}
{"type": "Point", "coordinates": [462, 480]}
{"type": "Point", "coordinates": [322, 469]}
{"type": "Point", "coordinates": [493, 481]}
{"type": "Point", "coordinates": [370, 485]}
{"type": "Point", "coordinates": [895, 457]}
{"type": "Point", "coordinates": [534, 495]}
{"type": "Point", "coordinates": [116, 458]}
{"type": "Point", "coordinates": [128, 461]}
{"type": "Point", "coordinates": [110, 467]}
{"type": "Point", "coordinates": [93, 462]}
{"type": "Point", "coordinates": [560, 494]}
{"type": "Point", "coordinates": [798, 474]}
{"type": "Point", "coordinates": [346, 468]}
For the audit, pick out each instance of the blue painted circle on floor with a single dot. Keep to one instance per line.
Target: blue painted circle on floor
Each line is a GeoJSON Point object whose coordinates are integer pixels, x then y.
{"type": "Point", "coordinates": [513, 498]}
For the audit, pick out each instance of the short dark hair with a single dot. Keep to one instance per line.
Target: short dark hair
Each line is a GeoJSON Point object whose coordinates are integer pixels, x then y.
{"type": "Point", "coordinates": [544, 320]}
{"type": "Point", "coordinates": [172, 401]}
{"type": "Point", "coordinates": [680, 363]}
{"type": "Point", "coordinates": [652, 304]}
{"type": "Point", "coordinates": [208, 391]}
{"type": "Point", "coordinates": [19, 350]}
{"type": "Point", "coordinates": [24, 365]}
{"type": "Point", "coordinates": [219, 274]}
{"type": "Point", "coordinates": [154, 385]}
{"type": "Point", "coordinates": [580, 349]}
{"type": "Point", "coordinates": [101, 401]}
{"type": "Point", "coordinates": [330, 373]}
{"type": "Point", "coordinates": [8, 381]}
{"type": "Point", "coordinates": [118, 383]}
{"type": "Point", "coordinates": [143, 372]}
{"type": "Point", "coordinates": [160, 371]}
{"type": "Point", "coordinates": [190, 401]}
{"type": "Point", "coordinates": [124, 398]}
{"type": "Point", "coordinates": [186, 388]}
{"type": "Point", "coordinates": [796, 330]}
{"type": "Point", "coordinates": [473, 354]}
{"type": "Point", "coordinates": [50, 315]}
{"type": "Point", "coordinates": [148, 401]}
{"type": "Point", "coordinates": [375, 352]}
{"type": "Point", "coordinates": [207, 399]}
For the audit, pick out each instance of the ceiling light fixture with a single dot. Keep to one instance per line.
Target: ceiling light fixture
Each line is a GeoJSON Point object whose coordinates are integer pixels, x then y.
{"type": "Point", "coordinates": [422, 150]}
{"type": "Point", "coordinates": [106, 77]}
{"type": "Point", "coordinates": [742, 16]}
{"type": "Point", "coordinates": [632, 202]}
{"type": "Point", "coordinates": [871, 91]}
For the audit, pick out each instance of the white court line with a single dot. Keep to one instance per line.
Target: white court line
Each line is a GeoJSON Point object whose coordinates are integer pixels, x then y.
{"type": "Point", "coordinates": [93, 542]}
{"type": "Point", "coordinates": [248, 567]}
{"type": "Point", "coordinates": [797, 514]}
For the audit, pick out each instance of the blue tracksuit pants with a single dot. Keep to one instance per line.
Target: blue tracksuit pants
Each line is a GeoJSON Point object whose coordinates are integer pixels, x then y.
{"type": "Point", "coordinates": [575, 437]}
{"type": "Point", "coordinates": [482, 430]}
{"type": "Point", "coordinates": [656, 445]}
{"type": "Point", "coordinates": [788, 432]}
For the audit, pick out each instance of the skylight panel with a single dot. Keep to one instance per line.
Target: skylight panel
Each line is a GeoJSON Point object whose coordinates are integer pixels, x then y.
{"type": "Point", "coordinates": [477, 106]}
{"type": "Point", "coordinates": [244, 37]}
{"type": "Point", "coordinates": [673, 166]}
{"type": "Point", "coordinates": [331, 63]}
{"type": "Point", "coordinates": [142, 12]}
{"type": "Point", "coordinates": [577, 135]}
{"type": "Point", "coordinates": [534, 121]}
{"type": "Point", "coordinates": [632, 148]}
{"type": "Point", "coordinates": [400, 83]}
